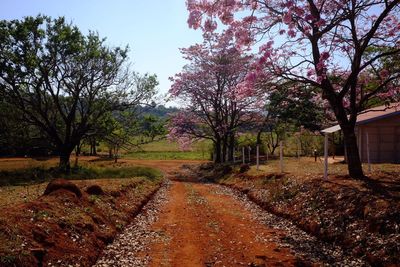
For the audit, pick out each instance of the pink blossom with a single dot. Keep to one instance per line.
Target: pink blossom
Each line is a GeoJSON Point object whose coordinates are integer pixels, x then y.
{"type": "Point", "coordinates": [194, 20]}
{"type": "Point", "coordinates": [384, 73]}
{"type": "Point", "coordinates": [310, 73]}
{"type": "Point", "coordinates": [325, 46]}
{"type": "Point", "coordinates": [251, 77]}
{"type": "Point", "coordinates": [226, 17]}
{"type": "Point", "coordinates": [292, 33]}
{"type": "Point", "coordinates": [287, 18]}
{"type": "Point", "coordinates": [217, 72]}
{"type": "Point", "coordinates": [324, 56]}
{"type": "Point", "coordinates": [209, 25]}
{"type": "Point", "coordinates": [320, 23]}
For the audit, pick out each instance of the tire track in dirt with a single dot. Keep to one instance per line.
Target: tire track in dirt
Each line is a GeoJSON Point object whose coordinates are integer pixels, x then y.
{"type": "Point", "coordinates": [202, 227]}
{"type": "Point", "coordinates": [196, 224]}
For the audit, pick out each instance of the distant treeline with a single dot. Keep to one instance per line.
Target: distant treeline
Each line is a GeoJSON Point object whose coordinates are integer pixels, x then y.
{"type": "Point", "coordinates": [18, 138]}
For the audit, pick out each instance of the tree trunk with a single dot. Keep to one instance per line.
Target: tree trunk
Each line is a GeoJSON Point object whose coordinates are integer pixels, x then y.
{"type": "Point", "coordinates": [94, 147]}
{"type": "Point", "coordinates": [77, 153]}
{"type": "Point", "coordinates": [231, 148]}
{"type": "Point", "coordinates": [273, 148]}
{"type": "Point", "coordinates": [224, 150]}
{"type": "Point", "coordinates": [258, 141]}
{"type": "Point", "coordinates": [78, 150]}
{"type": "Point", "coordinates": [116, 149]}
{"type": "Point", "coordinates": [353, 157]}
{"type": "Point", "coordinates": [217, 150]}
{"type": "Point", "coordinates": [64, 164]}
{"type": "Point", "coordinates": [93, 151]}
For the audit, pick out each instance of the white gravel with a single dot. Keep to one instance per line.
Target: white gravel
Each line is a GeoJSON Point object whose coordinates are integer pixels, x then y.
{"type": "Point", "coordinates": [130, 248]}
{"type": "Point", "coordinates": [301, 243]}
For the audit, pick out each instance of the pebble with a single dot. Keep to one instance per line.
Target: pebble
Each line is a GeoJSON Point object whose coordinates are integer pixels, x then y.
{"type": "Point", "coordinates": [301, 243]}
{"type": "Point", "coordinates": [131, 247]}
{"type": "Point", "coordinates": [136, 237]}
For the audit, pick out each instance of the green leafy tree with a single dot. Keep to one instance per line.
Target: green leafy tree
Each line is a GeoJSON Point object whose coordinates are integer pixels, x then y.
{"type": "Point", "coordinates": [15, 136]}
{"type": "Point", "coordinates": [65, 82]}
{"type": "Point", "coordinates": [289, 110]}
{"type": "Point", "coordinates": [152, 126]}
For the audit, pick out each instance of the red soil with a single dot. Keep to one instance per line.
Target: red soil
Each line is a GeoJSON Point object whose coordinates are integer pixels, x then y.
{"type": "Point", "coordinates": [204, 228]}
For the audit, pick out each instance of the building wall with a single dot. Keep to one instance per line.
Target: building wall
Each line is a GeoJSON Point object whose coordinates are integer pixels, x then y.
{"type": "Point", "coordinates": [384, 140]}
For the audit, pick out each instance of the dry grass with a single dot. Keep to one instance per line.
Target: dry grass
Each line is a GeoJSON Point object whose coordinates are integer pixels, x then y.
{"type": "Point", "coordinates": [306, 166]}
{"type": "Point", "coordinates": [12, 195]}
{"type": "Point", "coordinates": [7, 164]}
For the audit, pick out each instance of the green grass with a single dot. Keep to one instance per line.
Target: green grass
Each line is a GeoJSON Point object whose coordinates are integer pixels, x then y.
{"type": "Point", "coordinates": [40, 175]}
{"type": "Point", "coordinates": [161, 146]}
{"type": "Point", "coordinates": [166, 150]}
{"type": "Point", "coordinates": [168, 155]}
{"type": "Point", "coordinates": [83, 173]}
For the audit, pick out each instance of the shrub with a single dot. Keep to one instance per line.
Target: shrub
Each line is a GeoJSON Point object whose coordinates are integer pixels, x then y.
{"type": "Point", "coordinates": [244, 168]}
{"type": "Point", "coordinates": [95, 190]}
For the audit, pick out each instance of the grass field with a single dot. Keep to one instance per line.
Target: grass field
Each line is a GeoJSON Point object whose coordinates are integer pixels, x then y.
{"type": "Point", "coordinates": [167, 155]}
{"type": "Point", "coordinates": [307, 166]}
{"type": "Point", "coordinates": [166, 150]}
{"type": "Point", "coordinates": [25, 179]}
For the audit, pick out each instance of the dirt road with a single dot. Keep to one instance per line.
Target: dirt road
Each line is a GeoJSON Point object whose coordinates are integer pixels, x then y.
{"type": "Point", "coordinates": [202, 226]}
{"type": "Point", "coordinates": [194, 224]}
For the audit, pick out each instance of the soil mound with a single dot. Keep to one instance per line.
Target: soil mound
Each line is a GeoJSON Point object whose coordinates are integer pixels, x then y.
{"type": "Point", "coordinates": [94, 190]}
{"type": "Point", "coordinates": [59, 184]}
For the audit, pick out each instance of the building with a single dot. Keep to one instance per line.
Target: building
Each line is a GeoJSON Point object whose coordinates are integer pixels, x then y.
{"type": "Point", "coordinates": [378, 134]}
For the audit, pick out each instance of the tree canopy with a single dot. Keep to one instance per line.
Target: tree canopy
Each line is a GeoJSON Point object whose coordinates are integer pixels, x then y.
{"type": "Point", "coordinates": [314, 42]}
{"type": "Point", "coordinates": [216, 100]}
{"type": "Point", "coordinates": [63, 81]}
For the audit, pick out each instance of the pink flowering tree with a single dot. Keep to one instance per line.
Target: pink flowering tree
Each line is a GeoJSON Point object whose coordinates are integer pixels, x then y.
{"type": "Point", "coordinates": [336, 45]}
{"type": "Point", "coordinates": [215, 93]}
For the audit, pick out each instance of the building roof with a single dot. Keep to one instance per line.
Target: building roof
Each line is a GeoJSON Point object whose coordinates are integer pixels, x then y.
{"type": "Point", "coordinates": [371, 115]}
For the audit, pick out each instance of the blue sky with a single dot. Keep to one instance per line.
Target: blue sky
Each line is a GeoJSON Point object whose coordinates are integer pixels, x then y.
{"type": "Point", "coordinates": [154, 30]}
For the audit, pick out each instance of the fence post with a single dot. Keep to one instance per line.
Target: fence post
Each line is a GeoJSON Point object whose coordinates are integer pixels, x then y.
{"type": "Point", "coordinates": [368, 156]}
{"type": "Point", "coordinates": [298, 147]}
{"type": "Point", "coordinates": [249, 154]}
{"type": "Point", "coordinates": [326, 157]}
{"type": "Point", "coordinates": [243, 158]}
{"type": "Point", "coordinates": [258, 157]}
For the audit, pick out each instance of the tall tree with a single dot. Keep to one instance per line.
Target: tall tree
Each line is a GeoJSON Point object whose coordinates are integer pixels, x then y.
{"type": "Point", "coordinates": [214, 95]}
{"type": "Point", "coordinates": [316, 41]}
{"type": "Point", "coordinates": [63, 81]}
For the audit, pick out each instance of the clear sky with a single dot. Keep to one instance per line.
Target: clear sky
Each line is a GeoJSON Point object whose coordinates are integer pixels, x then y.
{"type": "Point", "coordinates": [153, 29]}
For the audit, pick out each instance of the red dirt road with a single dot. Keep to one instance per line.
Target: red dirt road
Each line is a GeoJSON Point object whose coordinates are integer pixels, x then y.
{"type": "Point", "coordinates": [166, 166]}
{"type": "Point", "coordinates": [201, 226]}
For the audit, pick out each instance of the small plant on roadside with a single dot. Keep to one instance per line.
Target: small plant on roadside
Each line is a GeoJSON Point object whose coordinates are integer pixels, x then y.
{"type": "Point", "coordinates": [244, 168]}
{"type": "Point", "coordinates": [41, 214]}
{"type": "Point", "coordinates": [8, 259]}
{"type": "Point", "coordinates": [88, 210]}
{"type": "Point", "coordinates": [119, 226]}
{"type": "Point", "coordinates": [94, 199]}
